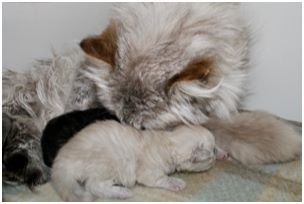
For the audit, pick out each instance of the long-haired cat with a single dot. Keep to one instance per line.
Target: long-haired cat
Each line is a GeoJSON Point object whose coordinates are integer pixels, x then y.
{"type": "Point", "coordinates": [160, 64]}
{"type": "Point", "coordinates": [106, 158]}
{"type": "Point", "coordinates": [164, 63]}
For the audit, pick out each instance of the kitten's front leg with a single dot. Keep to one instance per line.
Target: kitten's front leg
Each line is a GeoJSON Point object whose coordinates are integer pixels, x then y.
{"type": "Point", "coordinates": [160, 180]}
{"type": "Point", "coordinates": [170, 183]}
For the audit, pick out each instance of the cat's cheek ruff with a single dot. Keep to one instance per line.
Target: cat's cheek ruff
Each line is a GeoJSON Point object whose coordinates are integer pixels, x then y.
{"type": "Point", "coordinates": [220, 100]}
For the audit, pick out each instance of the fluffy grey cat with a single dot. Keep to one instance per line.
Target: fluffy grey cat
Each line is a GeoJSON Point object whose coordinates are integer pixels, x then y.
{"type": "Point", "coordinates": [165, 63]}
{"type": "Point", "coordinates": [106, 158]}
{"type": "Point", "coordinates": [155, 66]}
{"type": "Point", "coordinates": [160, 64]}
{"type": "Point", "coordinates": [29, 100]}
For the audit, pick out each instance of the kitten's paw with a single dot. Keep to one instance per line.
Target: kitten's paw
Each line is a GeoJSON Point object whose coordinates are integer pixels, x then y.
{"type": "Point", "coordinates": [222, 155]}
{"type": "Point", "coordinates": [121, 192]}
{"type": "Point", "coordinates": [175, 184]}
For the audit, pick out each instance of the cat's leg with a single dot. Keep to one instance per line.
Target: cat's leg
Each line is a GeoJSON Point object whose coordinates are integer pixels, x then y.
{"type": "Point", "coordinates": [160, 180]}
{"type": "Point", "coordinates": [108, 189]}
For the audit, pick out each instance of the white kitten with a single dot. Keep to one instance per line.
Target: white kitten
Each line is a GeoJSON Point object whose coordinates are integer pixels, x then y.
{"type": "Point", "coordinates": [106, 158]}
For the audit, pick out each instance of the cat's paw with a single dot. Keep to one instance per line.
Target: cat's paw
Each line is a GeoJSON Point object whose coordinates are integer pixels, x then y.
{"type": "Point", "coordinates": [175, 184]}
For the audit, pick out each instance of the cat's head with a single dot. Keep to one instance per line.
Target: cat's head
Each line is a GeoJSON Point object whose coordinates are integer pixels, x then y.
{"type": "Point", "coordinates": [152, 81]}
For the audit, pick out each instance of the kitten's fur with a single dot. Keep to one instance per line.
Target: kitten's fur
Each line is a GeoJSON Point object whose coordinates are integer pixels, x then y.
{"type": "Point", "coordinates": [60, 129]}
{"type": "Point", "coordinates": [21, 152]}
{"type": "Point", "coordinates": [106, 158]}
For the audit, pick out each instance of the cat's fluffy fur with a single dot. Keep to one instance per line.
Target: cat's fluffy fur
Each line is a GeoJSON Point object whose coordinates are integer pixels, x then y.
{"type": "Point", "coordinates": [256, 138]}
{"type": "Point", "coordinates": [60, 129]}
{"type": "Point", "coordinates": [155, 65]}
{"type": "Point", "coordinates": [53, 87]}
{"type": "Point", "coordinates": [159, 64]}
{"type": "Point", "coordinates": [167, 63]}
{"type": "Point", "coordinates": [106, 158]}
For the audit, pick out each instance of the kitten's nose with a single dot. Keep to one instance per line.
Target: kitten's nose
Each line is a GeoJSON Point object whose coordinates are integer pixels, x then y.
{"type": "Point", "coordinates": [16, 162]}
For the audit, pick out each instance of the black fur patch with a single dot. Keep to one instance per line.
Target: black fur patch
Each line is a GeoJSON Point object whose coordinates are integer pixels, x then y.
{"type": "Point", "coordinates": [60, 129]}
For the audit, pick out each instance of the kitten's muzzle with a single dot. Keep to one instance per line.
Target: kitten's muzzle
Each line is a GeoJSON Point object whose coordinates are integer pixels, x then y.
{"type": "Point", "coordinates": [18, 168]}
{"type": "Point", "coordinates": [16, 162]}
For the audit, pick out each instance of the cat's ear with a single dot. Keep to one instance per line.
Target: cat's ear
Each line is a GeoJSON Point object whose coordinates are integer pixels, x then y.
{"type": "Point", "coordinates": [197, 154]}
{"type": "Point", "coordinates": [102, 47]}
{"type": "Point", "coordinates": [197, 69]}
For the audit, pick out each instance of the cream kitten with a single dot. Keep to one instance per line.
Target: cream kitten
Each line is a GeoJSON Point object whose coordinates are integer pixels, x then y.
{"type": "Point", "coordinates": [106, 158]}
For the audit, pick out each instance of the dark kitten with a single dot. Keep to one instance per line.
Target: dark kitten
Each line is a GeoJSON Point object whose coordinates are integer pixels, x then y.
{"type": "Point", "coordinates": [60, 129]}
{"type": "Point", "coordinates": [21, 152]}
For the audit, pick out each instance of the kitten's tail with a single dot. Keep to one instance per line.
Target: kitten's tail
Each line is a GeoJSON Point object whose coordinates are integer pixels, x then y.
{"type": "Point", "coordinates": [256, 138]}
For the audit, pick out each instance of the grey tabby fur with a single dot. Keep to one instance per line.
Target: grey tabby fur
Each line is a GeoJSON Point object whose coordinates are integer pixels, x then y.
{"type": "Point", "coordinates": [30, 100]}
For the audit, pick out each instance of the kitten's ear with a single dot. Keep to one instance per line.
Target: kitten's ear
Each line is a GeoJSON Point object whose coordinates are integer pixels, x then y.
{"type": "Point", "coordinates": [102, 47]}
{"type": "Point", "coordinates": [197, 69]}
{"type": "Point", "coordinates": [197, 154]}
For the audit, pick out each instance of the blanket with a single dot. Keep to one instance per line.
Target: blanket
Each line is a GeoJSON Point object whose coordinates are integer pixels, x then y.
{"type": "Point", "coordinates": [226, 181]}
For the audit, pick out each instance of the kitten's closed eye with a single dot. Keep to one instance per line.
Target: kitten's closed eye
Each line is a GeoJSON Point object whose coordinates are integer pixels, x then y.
{"type": "Point", "coordinates": [202, 156]}
{"type": "Point", "coordinates": [201, 153]}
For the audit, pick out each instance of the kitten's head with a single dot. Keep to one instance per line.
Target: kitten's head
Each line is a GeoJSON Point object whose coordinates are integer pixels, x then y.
{"type": "Point", "coordinates": [152, 80]}
{"type": "Point", "coordinates": [21, 152]}
{"type": "Point", "coordinates": [194, 148]}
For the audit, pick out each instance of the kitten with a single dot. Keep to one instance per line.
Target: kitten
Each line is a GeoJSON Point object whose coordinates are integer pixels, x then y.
{"type": "Point", "coordinates": [162, 64]}
{"type": "Point", "coordinates": [60, 129]}
{"type": "Point", "coordinates": [21, 153]}
{"type": "Point", "coordinates": [106, 158]}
